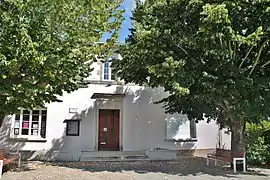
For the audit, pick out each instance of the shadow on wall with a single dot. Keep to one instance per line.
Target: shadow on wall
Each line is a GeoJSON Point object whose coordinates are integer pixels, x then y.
{"type": "Point", "coordinates": [224, 138]}
{"type": "Point", "coordinates": [69, 148]}
{"type": "Point", "coordinates": [65, 148]}
{"type": "Point", "coordinates": [178, 126]}
{"type": "Point", "coordinates": [167, 126]}
{"type": "Point", "coordinates": [5, 140]}
{"type": "Point", "coordinates": [142, 95]}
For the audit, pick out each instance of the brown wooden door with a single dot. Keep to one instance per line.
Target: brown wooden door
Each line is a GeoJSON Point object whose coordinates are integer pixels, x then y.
{"type": "Point", "coordinates": [108, 136]}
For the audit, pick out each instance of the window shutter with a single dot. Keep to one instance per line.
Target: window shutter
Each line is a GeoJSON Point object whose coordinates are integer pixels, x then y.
{"type": "Point", "coordinates": [193, 132]}
{"type": "Point", "coordinates": [43, 123]}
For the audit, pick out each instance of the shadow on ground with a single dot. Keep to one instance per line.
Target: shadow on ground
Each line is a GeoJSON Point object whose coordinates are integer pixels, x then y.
{"type": "Point", "coordinates": [182, 167]}
{"type": "Point", "coordinates": [14, 167]}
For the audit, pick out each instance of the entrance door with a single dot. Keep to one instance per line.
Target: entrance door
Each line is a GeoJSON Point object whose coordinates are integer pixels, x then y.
{"type": "Point", "coordinates": [108, 136]}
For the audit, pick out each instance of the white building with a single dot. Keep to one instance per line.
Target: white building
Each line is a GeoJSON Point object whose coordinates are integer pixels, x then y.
{"type": "Point", "coordinates": [108, 119]}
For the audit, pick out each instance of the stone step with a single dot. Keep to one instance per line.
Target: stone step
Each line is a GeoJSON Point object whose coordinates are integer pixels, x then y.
{"type": "Point", "coordinates": [113, 157]}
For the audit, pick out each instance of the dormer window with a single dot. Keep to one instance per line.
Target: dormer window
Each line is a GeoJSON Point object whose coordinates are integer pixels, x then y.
{"type": "Point", "coordinates": [108, 75]}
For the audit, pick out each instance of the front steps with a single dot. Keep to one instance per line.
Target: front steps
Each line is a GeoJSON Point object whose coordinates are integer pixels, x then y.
{"type": "Point", "coordinates": [113, 156]}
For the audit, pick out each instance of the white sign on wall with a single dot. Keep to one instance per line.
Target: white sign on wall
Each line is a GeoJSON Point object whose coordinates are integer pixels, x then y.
{"type": "Point", "coordinates": [73, 110]}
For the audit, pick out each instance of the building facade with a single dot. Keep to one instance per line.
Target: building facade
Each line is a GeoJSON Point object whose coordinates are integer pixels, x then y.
{"type": "Point", "coordinates": [108, 116]}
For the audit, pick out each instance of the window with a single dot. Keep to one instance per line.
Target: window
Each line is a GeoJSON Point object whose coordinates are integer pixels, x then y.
{"type": "Point", "coordinates": [108, 71]}
{"type": "Point", "coordinates": [30, 123]}
{"type": "Point", "coordinates": [179, 127]}
{"type": "Point", "coordinates": [113, 75]}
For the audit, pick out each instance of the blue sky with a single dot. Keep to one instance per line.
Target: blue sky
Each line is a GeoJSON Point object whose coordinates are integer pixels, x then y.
{"type": "Point", "coordinates": [128, 5]}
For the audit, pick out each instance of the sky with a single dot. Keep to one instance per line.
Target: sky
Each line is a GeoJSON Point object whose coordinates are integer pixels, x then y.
{"type": "Point", "coordinates": [128, 5]}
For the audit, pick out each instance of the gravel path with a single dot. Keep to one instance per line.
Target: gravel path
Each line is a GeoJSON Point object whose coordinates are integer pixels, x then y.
{"type": "Point", "coordinates": [185, 169]}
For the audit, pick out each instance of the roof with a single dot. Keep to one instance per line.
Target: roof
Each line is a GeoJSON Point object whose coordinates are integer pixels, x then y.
{"type": "Point", "coordinates": [106, 95]}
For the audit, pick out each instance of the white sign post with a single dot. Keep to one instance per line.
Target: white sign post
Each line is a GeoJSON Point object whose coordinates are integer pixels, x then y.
{"type": "Point", "coordinates": [1, 168]}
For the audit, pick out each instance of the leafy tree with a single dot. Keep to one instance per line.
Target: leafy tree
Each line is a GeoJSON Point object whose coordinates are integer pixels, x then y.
{"type": "Point", "coordinates": [47, 47]}
{"type": "Point", "coordinates": [257, 143]}
{"type": "Point", "coordinates": [211, 56]}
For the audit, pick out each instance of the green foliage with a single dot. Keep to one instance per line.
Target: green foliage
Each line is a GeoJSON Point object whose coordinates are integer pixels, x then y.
{"type": "Point", "coordinates": [211, 56]}
{"type": "Point", "coordinates": [47, 47]}
{"type": "Point", "coordinates": [258, 148]}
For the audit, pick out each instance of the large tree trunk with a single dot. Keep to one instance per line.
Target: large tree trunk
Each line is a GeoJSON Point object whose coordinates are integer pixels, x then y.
{"type": "Point", "coordinates": [238, 139]}
{"type": "Point", "coordinates": [2, 116]}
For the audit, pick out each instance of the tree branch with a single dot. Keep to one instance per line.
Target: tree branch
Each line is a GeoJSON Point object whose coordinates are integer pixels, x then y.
{"type": "Point", "coordinates": [249, 51]}
{"type": "Point", "coordinates": [230, 49]}
{"type": "Point", "coordinates": [257, 58]}
{"type": "Point", "coordinates": [235, 48]}
{"type": "Point", "coordinates": [182, 49]}
{"type": "Point", "coordinates": [224, 105]}
{"type": "Point", "coordinates": [265, 64]}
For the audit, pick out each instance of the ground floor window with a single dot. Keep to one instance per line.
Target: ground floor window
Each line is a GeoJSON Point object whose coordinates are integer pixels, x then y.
{"type": "Point", "coordinates": [178, 127]}
{"type": "Point", "coordinates": [30, 123]}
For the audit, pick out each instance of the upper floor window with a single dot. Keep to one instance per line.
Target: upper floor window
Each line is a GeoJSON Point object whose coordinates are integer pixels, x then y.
{"type": "Point", "coordinates": [106, 70]}
{"type": "Point", "coordinates": [108, 74]}
{"type": "Point", "coordinates": [30, 123]}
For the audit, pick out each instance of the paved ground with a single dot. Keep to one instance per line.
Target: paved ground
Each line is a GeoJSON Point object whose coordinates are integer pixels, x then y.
{"type": "Point", "coordinates": [184, 169]}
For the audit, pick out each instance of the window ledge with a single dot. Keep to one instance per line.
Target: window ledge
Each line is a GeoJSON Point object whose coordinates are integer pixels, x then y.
{"type": "Point", "coordinates": [104, 82]}
{"type": "Point", "coordinates": [27, 140]}
{"type": "Point", "coordinates": [182, 140]}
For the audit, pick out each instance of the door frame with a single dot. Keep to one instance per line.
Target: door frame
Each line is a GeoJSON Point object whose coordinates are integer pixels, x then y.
{"type": "Point", "coordinates": [113, 103]}
{"type": "Point", "coordinates": [100, 148]}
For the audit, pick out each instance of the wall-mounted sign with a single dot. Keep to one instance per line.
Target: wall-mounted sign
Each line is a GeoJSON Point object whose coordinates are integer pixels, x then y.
{"type": "Point", "coordinates": [35, 132]}
{"type": "Point", "coordinates": [73, 128]}
{"type": "Point", "coordinates": [25, 125]}
{"type": "Point", "coordinates": [16, 131]}
{"type": "Point", "coordinates": [73, 110]}
{"type": "Point", "coordinates": [35, 126]}
{"type": "Point", "coordinates": [17, 124]}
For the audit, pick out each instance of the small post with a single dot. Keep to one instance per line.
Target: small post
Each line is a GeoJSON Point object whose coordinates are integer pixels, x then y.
{"type": "Point", "coordinates": [207, 162]}
{"type": "Point", "coordinates": [244, 164]}
{"type": "Point", "coordinates": [234, 165]}
{"type": "Point", "coordinates": [1, 168]}
{"type": "Point", "coordinates": [19, 160]}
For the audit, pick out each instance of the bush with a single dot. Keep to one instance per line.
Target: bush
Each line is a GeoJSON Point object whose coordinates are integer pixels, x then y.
{"type": "Point", "coordinates": [266, 136]}
{"type": "Point", "coordinates": [258, 143]}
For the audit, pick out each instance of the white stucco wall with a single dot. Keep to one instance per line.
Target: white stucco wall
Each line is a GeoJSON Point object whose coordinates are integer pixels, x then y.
{"type": "Point", "coordinates": [96, 73]}
{"type": "Point", "coordinates": [142, 123]}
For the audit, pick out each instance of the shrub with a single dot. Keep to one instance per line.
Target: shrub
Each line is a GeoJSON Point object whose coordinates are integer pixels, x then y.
{"type": "Point", "coordinates": [258, 143]}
